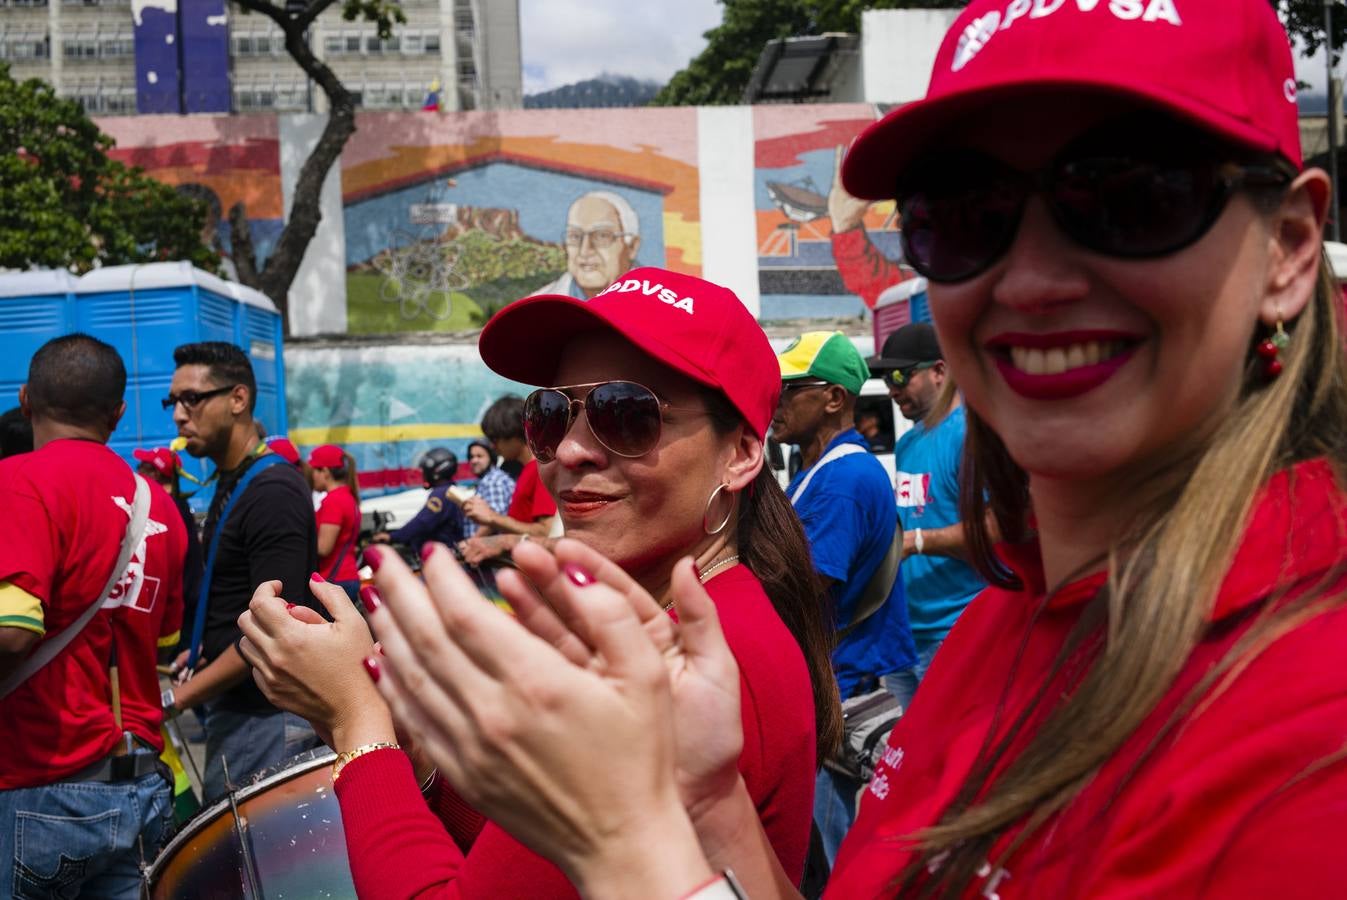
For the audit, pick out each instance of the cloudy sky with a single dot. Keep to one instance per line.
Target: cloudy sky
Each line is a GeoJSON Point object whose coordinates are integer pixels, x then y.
{"type": "Point", "coordinates": [565, 41]}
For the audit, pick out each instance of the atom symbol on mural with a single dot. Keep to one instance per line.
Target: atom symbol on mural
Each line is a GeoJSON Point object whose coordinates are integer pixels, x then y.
{"type": "Point", "coordinates": [419, 276]}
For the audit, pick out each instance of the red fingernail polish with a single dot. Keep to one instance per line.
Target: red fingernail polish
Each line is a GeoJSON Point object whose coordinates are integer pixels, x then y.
{"type": "Point", "coordinates": [318, 578]}
{"type": "Point", "coordinates": [578, 575]}
{"type": "Point", "coordinates": [426, 549]}
{"type": "Point", "coordinates": [370, 597]}
{"type": "Point", "coordinates": [372, 668]}
{"type": "Point", "coordinates": [371, 557]}
{"type": "Point", "coordinates": [289, 606]}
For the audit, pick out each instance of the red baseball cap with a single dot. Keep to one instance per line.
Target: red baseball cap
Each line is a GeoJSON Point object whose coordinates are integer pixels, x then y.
{"type": "Point", "coordinates": [692, 326]}
{"type": "Point", "coordinates": [1224, 66]}
{"type": "Point", "coordinates": [328, 456]}
{"type": "Point", "coordinates": [285, 449]}
{"type": "Point", "coordinates": [164, 460]}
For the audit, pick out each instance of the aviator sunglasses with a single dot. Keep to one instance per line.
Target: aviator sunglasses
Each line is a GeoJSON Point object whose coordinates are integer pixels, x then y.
{"type": "Point", "coordinates": [625, 417]}
{"type": "Point", "coordinates": [1137, 189]}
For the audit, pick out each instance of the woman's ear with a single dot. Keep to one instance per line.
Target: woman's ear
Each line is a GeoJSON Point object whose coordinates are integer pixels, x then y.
{"type": "Point", "coordinates": [1295, 248]}
{"type": "Point", "coordinates": [745, 462]}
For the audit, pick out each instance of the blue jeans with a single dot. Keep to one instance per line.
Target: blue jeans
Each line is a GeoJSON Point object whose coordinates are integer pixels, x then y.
{"type": "Point", "coordinates": [925, 653]}
{"type": "Point", "coordinates": [82, 838]}
{"type": "Point", "coordinates": [249, 742]}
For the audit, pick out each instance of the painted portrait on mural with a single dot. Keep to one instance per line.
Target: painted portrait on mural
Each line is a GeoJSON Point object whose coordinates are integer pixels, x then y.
{"type": "Point", "coordinates": [821, 252]}
{"type": "Point", "coordinates": [447, 218]}
{"type": "Point", "coordinates": [602, 236]}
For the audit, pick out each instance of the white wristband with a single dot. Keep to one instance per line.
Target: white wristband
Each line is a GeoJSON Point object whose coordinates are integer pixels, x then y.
{"type": "Point", "coordinates": [918, 542]}
{"type": "Point", "coordinates": [724, 887]}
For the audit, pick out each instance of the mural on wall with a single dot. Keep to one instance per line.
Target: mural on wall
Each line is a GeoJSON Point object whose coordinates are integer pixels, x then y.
{"type": "Point", "coordinates": [222, 160]}
{"type": "Point", "coordinates": [447, 218]}
{"type": "Point", "coordinates": [821, 252]}
{"type": "Point", "coordinates": [387, 405]}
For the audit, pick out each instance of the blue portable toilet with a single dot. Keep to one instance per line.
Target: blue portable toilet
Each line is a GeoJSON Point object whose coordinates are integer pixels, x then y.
{"type": "Point", "coordinates": [145, 311]}
{"type": "Point", "coordinates": [34, 308]}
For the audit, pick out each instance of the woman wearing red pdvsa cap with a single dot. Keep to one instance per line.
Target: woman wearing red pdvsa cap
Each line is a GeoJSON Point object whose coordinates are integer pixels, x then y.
{"type": "Point", "coordinates": [332, 469]}
{"type": "Point", "coordinates": [1126, 273]}
{"type": "Point", "coordinates": [649, 433]}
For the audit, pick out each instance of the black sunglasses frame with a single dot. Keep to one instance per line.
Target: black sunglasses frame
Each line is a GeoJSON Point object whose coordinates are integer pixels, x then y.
{"type": "Point", "coordinates": [190, 400]}
{"type": "Point", "coordinates": [1222, 181]}
{"type": "Point", "coordinates": [573, 407]}
{"type": "Point", "coordinates": [900, 378]}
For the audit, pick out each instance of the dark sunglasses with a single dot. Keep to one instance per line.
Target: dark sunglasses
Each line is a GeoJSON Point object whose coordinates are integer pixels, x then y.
{"type": "Point", "coordinates": [625, 417]}
{"type": "Point", "coordinates": [897, 378]}
{"type": "Point", "coordinates": [190, 400]}
{"type": "Point", "coordinates": [961, 209]}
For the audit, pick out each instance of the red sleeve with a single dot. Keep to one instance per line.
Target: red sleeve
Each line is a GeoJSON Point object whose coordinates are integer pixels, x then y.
{"type": "Point", "coordinates": [865, 271]}
{"type": "Point", "coordinates": [397, 848]}
{"type": "Point", "coordinates": [29, 541]}
{"type": "Point", "coordinates": [329, 511]}
{"type": "Point", "coordinates": [464, 822]}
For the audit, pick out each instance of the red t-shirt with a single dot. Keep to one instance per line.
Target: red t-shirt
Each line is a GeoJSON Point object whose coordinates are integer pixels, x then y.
{"type": "Point", "coordinates": [1248, 798]}
{"type": "Point", "coordinates": [339, 508]}
{"type": "Point", "coordinates": [398, 848]}
{"type": "Point", "coordinates": [66, 507]}
{"type": "Point", "coordinates": [531, 500]}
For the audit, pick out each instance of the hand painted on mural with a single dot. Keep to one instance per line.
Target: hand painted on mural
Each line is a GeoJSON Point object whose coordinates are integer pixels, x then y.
{"type": "Point", "coordinates": [845, 211]}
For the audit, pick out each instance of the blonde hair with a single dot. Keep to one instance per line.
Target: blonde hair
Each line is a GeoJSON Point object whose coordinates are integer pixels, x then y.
{"type": "Point", "coordinates": [1164, 575]}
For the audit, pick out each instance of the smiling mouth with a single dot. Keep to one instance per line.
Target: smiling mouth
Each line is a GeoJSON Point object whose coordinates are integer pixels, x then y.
{"type": "Point", "coordinates": [1057, 360]}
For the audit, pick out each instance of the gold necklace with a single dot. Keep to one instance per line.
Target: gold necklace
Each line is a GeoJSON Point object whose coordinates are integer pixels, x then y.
{"type": "Point", "coordinates": [706, 576]}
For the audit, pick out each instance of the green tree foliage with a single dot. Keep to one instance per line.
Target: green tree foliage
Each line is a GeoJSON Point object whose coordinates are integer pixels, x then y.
{"type": "Point", "coordinates": [65, 204]}
{"type": "Point", "coordinates": [719, 74]}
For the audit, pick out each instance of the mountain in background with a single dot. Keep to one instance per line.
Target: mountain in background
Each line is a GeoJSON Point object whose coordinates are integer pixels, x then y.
{"type": "Point", "coordinates": [604, 91]}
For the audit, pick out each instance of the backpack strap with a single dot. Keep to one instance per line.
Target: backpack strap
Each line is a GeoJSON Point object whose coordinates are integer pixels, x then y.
{"type": "Point", "coordinates": [263, 462]}
{"type": "Point", "coordinates": [48, 649]}
{"type": "Point", "coordinates": [832, 455]}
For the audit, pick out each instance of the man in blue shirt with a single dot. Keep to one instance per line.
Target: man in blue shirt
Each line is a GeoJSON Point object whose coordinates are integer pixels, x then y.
{"type": "Point", "coordinates": [938, 582]}
{"type": "Point", "coordinates": [843, 498]}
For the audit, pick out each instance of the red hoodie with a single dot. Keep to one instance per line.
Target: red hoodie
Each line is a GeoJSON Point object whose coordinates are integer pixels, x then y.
{"type": "Point", "coordinates": [1246, 798]}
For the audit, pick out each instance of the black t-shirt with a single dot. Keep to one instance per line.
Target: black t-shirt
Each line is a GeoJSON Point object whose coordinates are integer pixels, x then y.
{"type": "Point", "coordinates": [191, 570]}
{"type": "Point", "coordinates": [270, 535]}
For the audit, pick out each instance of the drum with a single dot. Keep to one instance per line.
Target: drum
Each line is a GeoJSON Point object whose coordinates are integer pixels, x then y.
{"type": "Point", "coordinates": [279, 837]}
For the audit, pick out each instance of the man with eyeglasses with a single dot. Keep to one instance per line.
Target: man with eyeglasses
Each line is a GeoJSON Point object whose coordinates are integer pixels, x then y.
{"type": "Point", "coordinates": [602, 236]}
{"type": "Point", "coordinates": [269, 534]}
{"type": "Point", "coordinates": [841, 495]}
{"type": "Point", "coordinates": [938, 582]}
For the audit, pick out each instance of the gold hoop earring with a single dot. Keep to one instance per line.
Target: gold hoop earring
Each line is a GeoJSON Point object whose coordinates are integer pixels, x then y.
{"type": "Point", "coordinates": [707, 512]}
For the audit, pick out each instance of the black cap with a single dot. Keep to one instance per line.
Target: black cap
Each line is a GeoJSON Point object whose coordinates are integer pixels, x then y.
{"type": "Point", "coordinates": [908, 346]}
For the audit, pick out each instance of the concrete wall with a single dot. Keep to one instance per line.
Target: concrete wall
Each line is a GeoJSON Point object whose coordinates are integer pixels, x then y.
{"type": "Point", "coordinates": [898, 48]}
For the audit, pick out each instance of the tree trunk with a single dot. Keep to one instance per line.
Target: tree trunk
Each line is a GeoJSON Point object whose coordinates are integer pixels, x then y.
{"type": "Point", "coordinates": [282, 264]}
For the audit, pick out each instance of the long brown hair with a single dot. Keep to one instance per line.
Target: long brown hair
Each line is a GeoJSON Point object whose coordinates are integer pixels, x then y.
{"type": "Point", "coordinates": [772, 544]}
{"type": "Point", "coordinates": [1164, 574]}
{"type": "Point", "coordinates": [346, 474]}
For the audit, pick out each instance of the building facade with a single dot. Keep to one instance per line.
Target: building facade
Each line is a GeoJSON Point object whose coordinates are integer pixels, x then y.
{"type": "Point", "coordinates": [119, 57]}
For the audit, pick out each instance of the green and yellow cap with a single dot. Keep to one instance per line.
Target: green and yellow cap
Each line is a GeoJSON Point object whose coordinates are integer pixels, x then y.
{"type": "Point", "coordinates": [826, 355]}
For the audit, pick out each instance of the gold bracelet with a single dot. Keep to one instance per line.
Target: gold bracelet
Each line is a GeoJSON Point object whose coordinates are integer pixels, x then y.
{"type": "Point", "coordinates": [345, 758]}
